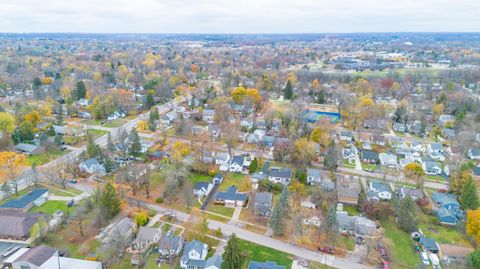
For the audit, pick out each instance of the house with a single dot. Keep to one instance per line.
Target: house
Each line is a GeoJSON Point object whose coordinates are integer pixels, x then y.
{"type": "Point", "coordinates": [231, 197]}
{"type": "Point", "coordinates": [360, 226]}
{"type": "Point", "coordinates": [280, 175]}
{"type": "Point", "coordinates": [452, 253]}
{"type": "Point", "coordinates": [84, 102]}
{"type": "Point", "coordinates": [236, 165]}
{"type": "Point", "coordinates": [429, 244]}
{"type": "Point", "coordinates": [208, 115]}
{"type": "Point", "coordinates": [379, 140]}
{"type": "Point", "coordinates": [268, 141]}
{"type": "Point", "coordinates": [246, 123]}
{"type": "Point", "coordinates": [312, 221]}
{"type": "Point", "coordinates": [369, 156]}
{"type": "Point", "coordinates": [413, 193]}
{"type": "Point", "coordinates": [453, 151]}
{"type": "Point", "coordinates": [448, 208]}
{"type": "Point", "coordinates": [348, 191]}
{"type": "Point", "coordinates": [399, 127]}
{"type": "Point", "coordinates": [193, 252]}
{"type": "Point", "coordinates": [444, 119]}
{"type": "Point", "coordinates": [60, 130]}
{"type": "Point", "coordinates": [327, 185]}
{"type": "Point", "coordinates": [36, 197]}
{"type": "Point", "coordinates": [349, 154]}
{"type": "Point", "coordinates": [146, 236]}
{"type": "Point", "coordinates": [307, 203]}
{"type": "Point", "coordinates": [382, 189]}
{"type": "Point", "coordinates": [365, 137]}
{"type": "Point", "coordinates": [417, 146]}
{"type": "Point", "coordinates": [388, 160]}
{"type": "Point", "coordinates": [256, 137]}
{"type": "Point", "coordinates": [222, 158]}
{"type": "Point", "coordinates": [474, 153]}
{"type": "Point", "coordinates": [263, 204]}
{"type": "Point", "coordinates": [214, 130]}
{"type": "Point", "coordinates": [122, 229]}
{"type": "Point", "coordinates": [432, 168]}
{"type": "Point", "coordinates": [313, 176]}
{"type": "Point", "coordinates": [84, 115]}
{"type": "Point", "coordinates": [170, 245]}
{"type": "Point", "coordinates": [45, 257]}
{"type": "Point", "coordinates": [156, 155]}
{"type": "Point", "coordinates": [476, 172]}
{"type": "Point", "coordinates": [264, 265]}
{"type": "Point", "coordinates": [28, 149]}
{"type": "Point", "coordinates": [449, 134]}
{"type": "Point", "coordinates": [437, 156]}
{"type": "Point", "coordinates": [346, 136]}
{"type": "Point", "coordinates": [202, 189]}
{"type": "Point", "coordinates": [217, 179]}
{"type": "Point", "coordinates": [434, 147]}
{"type": "Point", "coordinates": [16, 225]}
{"type": "Point", "coordinates": [91, 166]}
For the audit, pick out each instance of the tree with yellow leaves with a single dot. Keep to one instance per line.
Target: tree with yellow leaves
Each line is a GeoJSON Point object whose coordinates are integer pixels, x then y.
{"type": "Point", "coordinates": [315, 84]}
{"type": "Point", "coordinates": [238, 94]}
{"type": "Point", "coordinates": [415, 171]}
{"type": "Point", "coordinates": [142, 125]}
{"type": "Point", "coordinates": [437, 110]}
{"type": "Point", "coordinates": [47, 80]}
{"type": "Point", "coordinates": [180, 150]}
{"type": "Point", "coordinates": [34, 117]}
{"type": "Point", "coordinates": [13, 163]}
{"type": "Point", "coordinates": [7, 123]}
{"type": "Point", "coordinates": [473, 224]}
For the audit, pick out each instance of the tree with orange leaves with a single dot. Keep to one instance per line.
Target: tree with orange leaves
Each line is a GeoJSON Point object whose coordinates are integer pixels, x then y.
{"type": "Point", "coordinates": [13, 162]}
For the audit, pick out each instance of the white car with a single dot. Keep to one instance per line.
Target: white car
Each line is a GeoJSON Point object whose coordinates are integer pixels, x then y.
{"type": "Point", "coordinates": [424, 258]}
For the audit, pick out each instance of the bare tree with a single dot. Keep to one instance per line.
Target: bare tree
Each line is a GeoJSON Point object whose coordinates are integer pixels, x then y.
{"type": "Point", "coordinates": [56, 176]}
{"type": "Point", "coordinates": [230, 134]}
{"type": "Point", "coordinates": [187, 192]}
{"type": "Point", "coordinates": [72, 165]}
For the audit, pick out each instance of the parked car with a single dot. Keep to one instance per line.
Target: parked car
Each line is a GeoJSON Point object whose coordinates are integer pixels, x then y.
{"type": "Point", "coordinates": [73, 181]}
{"type": "Point", "coordinates": [424, 258]}
{"type": "Point", "coordinates": [386, 265]}
{"type": "Point", "coordinates": [383, 252]}
{"type": "Point", "coordinates": [327, 250]}
{"type": "Point", "coordinates": [63, 147]}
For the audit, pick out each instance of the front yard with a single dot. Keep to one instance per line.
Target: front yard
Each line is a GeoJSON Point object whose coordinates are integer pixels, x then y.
{"type": "Point", "coordinates": [45, 157]}
{"type": "Point", "coordinates": [348, 164]}
{"type": "Point", "coordinates": [49, 207]}
{"type": "Point", "coordinates": [399, 246]}
{"type": "Point", "coordinates": [259, 253]}
{"type": "Point", "coordinates": [220, 209]}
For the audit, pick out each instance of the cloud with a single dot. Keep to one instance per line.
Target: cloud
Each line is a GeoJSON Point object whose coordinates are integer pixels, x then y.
{"type": "Point", "coordinates": [238, 16]}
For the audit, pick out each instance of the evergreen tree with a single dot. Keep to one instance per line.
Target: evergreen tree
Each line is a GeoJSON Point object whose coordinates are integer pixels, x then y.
{"type": "Point", "coordinates": [93, 150]}
{"type": "Point", "coordinates": [149, 101]}
{"type": "Point", "coordinates": [232, 255]}
{"type": "Point", "coordinates": [58, 139]}
{"type": "Point", "coordinates": [152, 125]}
{"type": "Point", "coordinates": [288, 91]}
{"type": "Point", "coordinates": [80, 90]}
{"type": "Point", "coordinates": [110, 145]}
{"type": "Point", "coordinates": [332, 224]}
{"type": "Point", "coordinates": [36, 83]}
{"type": "Point", "coordinates": [331, 158]}
{"type": "Point", "coordinates": [154, 114]}
{"type": "Point", "coordinates": [135, 145]}
{"type": "Point", "coordinates": [109, 165]}
{"type": "Point", "coordinates": [407, 219]}
{"type": "Point", "coordinates": [59, 116]}
{"type": "Point", "coordinates": [51, 131]}
{"type": "Point", "coordinates": [109, 201]}
{"type": "Point", "coordinates": [253, 166]}
{"type": "Point", "coordinates": [280, 212]}
{"type": "Point", "coordinates": [469, 198]}
{"type": "Point", "coordinates": [26, 131]}
{"type": "Point", "coordinates": [321, 97]}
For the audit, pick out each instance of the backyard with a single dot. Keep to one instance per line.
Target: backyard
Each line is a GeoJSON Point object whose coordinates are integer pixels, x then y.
{"type": "Point", "coordinates": [400, 246]}
{"type": "Point", "coordinates": [50, 207]}
{"type": "Point", "coordinates": [45, 157]}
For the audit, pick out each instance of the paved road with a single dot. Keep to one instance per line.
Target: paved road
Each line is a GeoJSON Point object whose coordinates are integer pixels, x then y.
{"type": "Point", "coordinates": [228, 229]}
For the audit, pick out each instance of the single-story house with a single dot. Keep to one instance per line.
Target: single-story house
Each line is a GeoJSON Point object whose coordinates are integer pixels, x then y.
{"type": "Point", "coordinates": [369, 156]}
{"type": "Point", "coordinates": [382, 189]}
{"type": "Point", "coordinates": [146, 236]}
{"type": "Point", "coordinates": [451, 253]}
{"type": "Point", "coordinates": [379, 140]}
{"type": "Point", "coordinates": [170, 245]}
{"type": "Point", "coordinates": [313, 221]}
{"type": "Point", "coordinates": [358, 225]}
{"type": "Point", "coordinates": [413, 193]}
{"type": "Point", "coordinates": [432, 168]}
{"type": "Point", "coordinates": [399, 127]}
{"type": "Point", "coordinates": [16, 225]}
{"type": "Point", "coordinates": [208, 115]}
{"type": "Point", "coordinates": [280, 175]}
{"type": "Point", "coordinates": [435, 147]}
{"type": "Point", "coordinates": [202, 189]}
{"type": "Point", "coordinates": [313, 176]}
{"type": "Point", "coordinates": [91, 166]}
{"type": "Point", "coordinates": [268, 141]}
{"type": "Point", "coordinates": [231, 197]}
{"type": "Point", "coordinates": [222, 158]}
{"type": "Point", "coordinates": [217, 179]}
{"type": "Point", "coordinates": [346, 136]}
{"type": "Point", "coordinates": [29, 149]}
{"type": "Point", "coordinates": [446, 216]}
{"type": "Point", "coordinates": [388, 160]}
{"type": "Point", "coordinates": [36, 197]}
{"type": "Point", "coordinates": [474, 153]}
{"type": "Point", "coordinates": [348, 191]}
{"type": "Point", "coordinates": [263, 203]}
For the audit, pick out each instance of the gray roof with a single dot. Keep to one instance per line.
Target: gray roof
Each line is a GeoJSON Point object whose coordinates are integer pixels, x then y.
{"type": "Point", "coordinates": [25, 200]}
{"type": "Point", "coordinates": [192, 245]}
{"type": "Point", "coordinates": [13, 223]}
{"type": "Point", "coordinates": [37, 255]}
{"type": "Point", "coordinates": [231, 194]}
{"type": "Point", "coordinates": [169, 242]}
{"type": "Point", "coordinates": [429, 243]}
{"type": "Point", "coordinates": [201, 185]}
{"type": "Point", "coordinates": [215, 260]}
{"type": "Point", "coordinates": [24, 147]}
{"type": "Point", "coordinates": [146, 234]}
{"type": "Point", "coordinates": [90, 162]}
{"type": "Point", "coordinates": [281, 172]}
{"type": "Point", "coordinates": [263, 201]}
{"type": "Point", "coordinates": [369, 155]}
{"type": "Point", "coordinates": [315, 173]}
{"type": "Point", "coordinates": [238, 160]}
{"type": "Point", "coordinates": [380, 186]}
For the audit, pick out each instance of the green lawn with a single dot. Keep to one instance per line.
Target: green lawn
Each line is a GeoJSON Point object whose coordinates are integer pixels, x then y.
{"type": "Point", "coordinates": [442, 234]}
{"type": "Point", "coordinates": [115, 123]}
{"type": "Point", "coordinates": [96, 133]}
{"type": "Point", "coordinates": [351, 210]}
{"type": "Point", "coordinates": [60, 193]}
{"type": "Point", "coordinates": [347, 243]}
{"type": "Point", "coordinates": [348, 165]}
{"type": "Point", "coordinates": [262, 254]}
{"type": "Point", "coordinates": [400, 246]}
{"type": "Point", "coordinates": [369, 166]}
{"type": "Point", "coordinates": [436, 178]}
{"type": "Point", "coordinates": [49, 207]}
{"type": "Point", "coordinates": [234, 179]}
{"type": "Point", "coordinates": [92, 122]}
{"type": "Point", "coordinates": [196, 177]}
{"type": "Point", "coordinates": [45, 157]}
{"type": "Point", "coordinates": [220, 209]}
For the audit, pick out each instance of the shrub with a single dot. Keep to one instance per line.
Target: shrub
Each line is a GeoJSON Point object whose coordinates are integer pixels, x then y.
{"type": "Point", "coordinates": [159, 200]}
{"type": "Point", "coordinates": [141, 218]}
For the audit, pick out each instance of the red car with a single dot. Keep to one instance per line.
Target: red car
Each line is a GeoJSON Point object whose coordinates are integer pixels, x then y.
{"type": "Point", "coordinates": [327, 250]}
{"type": "Point", "coordinates": [386, 265]}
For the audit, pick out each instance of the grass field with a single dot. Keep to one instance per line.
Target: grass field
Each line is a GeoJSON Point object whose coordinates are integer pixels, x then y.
{"type": "Point", "coordinates": [441, 234]}
{"type": "Point", "coordinates": [45, 157]}
{"type": "Point", "coordinates": [262, 254]}
{"type": "Point", "coordinates": [234, 179]}
{"type": "Point", "coordinates": [222, 210]}
{"type": "Point", "coordinates": [195, 178]}
{"type": "Point", "coordinates": [115, 123]}
{"type": "Point", "coordinates": [49, 207]}
{"type": "Point", "coordinates": [399, 246]}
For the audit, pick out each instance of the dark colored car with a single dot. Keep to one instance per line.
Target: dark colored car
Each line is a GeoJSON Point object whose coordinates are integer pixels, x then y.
{"type": "Point", "coordinates": [327, 250]}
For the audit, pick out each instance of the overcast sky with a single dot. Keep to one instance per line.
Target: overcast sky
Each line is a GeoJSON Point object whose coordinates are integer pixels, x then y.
{"type": "Point", "coordinates": [239, 16]}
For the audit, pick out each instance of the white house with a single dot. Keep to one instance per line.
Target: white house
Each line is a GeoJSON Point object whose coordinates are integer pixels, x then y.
{"type": "Point", "coordinates": [202, 189]}
{"type": "Point", "coordinates": [314, 221]}
{"type": "Point", "coordinates": [208, 115]}
{"type": "Point", "coordinates": [387, 159]}
{"type": "Point", "coordinates": [382, 189]}
{"type": "Point", "coordinates": [193, 251]}
{"type": "Point", "coordinates": [222, 158]}
{"type": "Point", "coordinates": [349, 155]}
{"type": "Point", "coordinates": [313, 176]}
{"type": "Point", "coordinates": [432, 168]}
{"type": "Point", "coordinates": [280, 175]}
{"type": "Point", "coordinates": [236, 165]}
{"type": "Point", "coordinates": [91, 166]}
{"type": "Point", "coordinates": [474, 153]}
{"type": "Point", "coordinates": [146, 236]}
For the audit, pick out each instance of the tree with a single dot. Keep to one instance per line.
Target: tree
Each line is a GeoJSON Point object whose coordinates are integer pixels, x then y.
{"type": "Point", "coordinates": [415, 171]}
{"type": "Point", "coordinates": [110, 145]}
{"type": "Point", "coordinates": [80, 90]}
{"type": "Point", "coordinates": [109, 201]}
{"type": "Point", "coordinates": [152, 120]}
{"type": "Point", "coordinates": [93, 149]}
{"type": "Point", "coordinates": [232, 255]}
{"type": "Point", "coordinates": [7, 123]}
{"type": "Point", "coordinates": [474, 259]}
{"type": "Point", "coordinates": [141, 218]}
{"type": "Point", "coordinates": [288, 91]}
{"type": "Point", "coordinates": [304, 151]}
{"type": "Point", "coordinates": [253, 166]}
{"type": "Point", "coordinates": [143, 125]}
{"type": "Point", "coordinates": [321, 97]}
{"type": "Point", "coordinates": [331, 157]}
{"type": "Point", "coordinates": [135, 144]}
{"type": "Point", "coordinates": [13, 162]}
{"type": "Point", "coordinates": [59, 117]}
{"type": "Point", "coordinates": [332, 224]}
{"type": "Point", "coordinates": [280, 213]}
{"type": "Point", "coordinates": [149, 100]}
{"type": "Point", "coordinates": [72, 165]}
{"type": "Point", "coordinates": [469, 197]}
{"type": "Point", "coordinates": [407, 219]}
{"type": "Point", "coordinates": [230, 134]}
{"type": "Point", "coordinates": [25, 131]}
{"type": "Point", "coordinates": [187, 192]}
{"type": "Point", "coordinates": [179, 150]}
